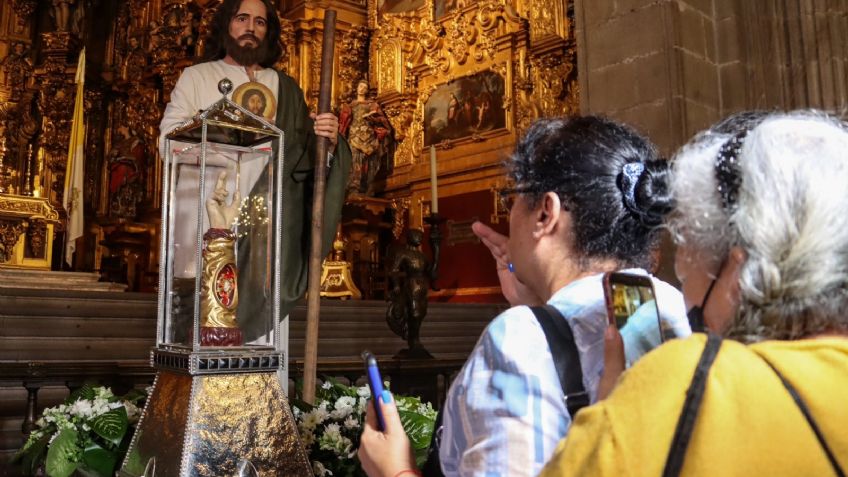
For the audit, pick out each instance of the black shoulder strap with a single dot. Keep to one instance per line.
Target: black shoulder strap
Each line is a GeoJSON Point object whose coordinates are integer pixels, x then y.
{"type": "Point", "coordinates": [802, 406]}
{"type": "Point", "coordinates": [694, 396]}
{"type": "Point", "coordinates": [566, 358]}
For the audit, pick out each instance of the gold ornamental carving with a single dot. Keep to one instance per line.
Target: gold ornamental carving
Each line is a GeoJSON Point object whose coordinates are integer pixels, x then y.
{"type": "Point", "coordinates": [401, 212]}
{"type": "Point", "coordinates": [394, 48]}
{"type": "Point", "coordinates": [411, 147]}
{"type": "Point", "coordinates": [460, 36]}
{"type": "Point", "coordinates": [219, 293]}
{"type": "Point", "coordinates": [36, 236]}
{"type": "Point", "coordinates": [55, 100]}
{"type": "Point", "coordinates": [23, 206]}
{"type": "Point", "coordinates": [17, 69]}
{"type": "Point", "coordinates": [556, 81]}
{"type": "Point", "coordinates": [290, 59]}
{"type": "Point", "coordinates": [400, 115]}
{"type": "Point", "coordinates": [171, 42]}
{"type": "Point", "coordinates": [10, 232]}
{"type": "Point", "coordinates": [26, 223]}
{"type": "Point", "coordinates": [548, 19]}
{"type": "Point", "coordinates": [204, 28]}
{"type": "Point", "coordinates": [353, 64]}
{"type": "Point", "coordinates": [388, 67]}
{"type": "Point", "coordinates": [24, 8]}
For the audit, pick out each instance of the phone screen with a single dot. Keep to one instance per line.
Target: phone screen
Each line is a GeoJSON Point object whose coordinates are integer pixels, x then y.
{"type": "Point", "coordinates": [628, 299]}
{"type": "Point", "coordinates": [631, 303]}
{"type": "Point", "coordinates": [375, 382]}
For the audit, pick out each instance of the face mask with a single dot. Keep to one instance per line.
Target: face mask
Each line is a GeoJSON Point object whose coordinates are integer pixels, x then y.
{"type": "Point", "coordinates": [696, 313]}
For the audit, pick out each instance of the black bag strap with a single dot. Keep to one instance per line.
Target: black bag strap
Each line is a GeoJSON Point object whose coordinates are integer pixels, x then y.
{"type": "Point", "coordinates": [689, 414]}
{"type": "Point", "coordinates": [566, 357]}
{"type": "Point", "coordinates": [805, 410]}
{"type": "Point", "coordinates": [567, 363]}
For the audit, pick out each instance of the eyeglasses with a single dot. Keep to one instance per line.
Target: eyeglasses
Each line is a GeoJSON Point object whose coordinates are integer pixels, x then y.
{"type": "Point", "coordinates": [507, 196]}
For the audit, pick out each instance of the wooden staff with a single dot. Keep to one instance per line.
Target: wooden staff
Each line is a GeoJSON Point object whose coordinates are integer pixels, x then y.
{"type": "Point", "coordinates": [313, 290]}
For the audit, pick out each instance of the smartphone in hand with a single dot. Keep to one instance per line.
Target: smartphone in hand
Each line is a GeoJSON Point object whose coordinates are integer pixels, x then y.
{"type": "Point", "coordinates": [631, 301]}
{"type": "Point", "coordinates": [375, 382]}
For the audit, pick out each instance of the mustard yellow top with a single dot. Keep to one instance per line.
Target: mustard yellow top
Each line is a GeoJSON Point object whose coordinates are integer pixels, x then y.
{"type": "Point", "coordinates": [747, 425]}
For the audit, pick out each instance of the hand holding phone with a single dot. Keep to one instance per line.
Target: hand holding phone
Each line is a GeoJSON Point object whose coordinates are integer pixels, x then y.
{"type": "Point", "coordinates": [375, 382]}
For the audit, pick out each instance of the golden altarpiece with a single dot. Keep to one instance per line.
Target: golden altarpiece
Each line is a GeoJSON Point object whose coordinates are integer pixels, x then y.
{"type": "Point", "coordinates": [461, 77]}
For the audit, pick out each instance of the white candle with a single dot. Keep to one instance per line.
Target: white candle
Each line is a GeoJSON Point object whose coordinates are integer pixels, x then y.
{"type": "Point", "coordinates": [434, 188]}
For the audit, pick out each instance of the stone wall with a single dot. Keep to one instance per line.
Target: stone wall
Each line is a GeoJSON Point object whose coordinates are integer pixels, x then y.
{"type": "Point", "coordinates": [673, 67]}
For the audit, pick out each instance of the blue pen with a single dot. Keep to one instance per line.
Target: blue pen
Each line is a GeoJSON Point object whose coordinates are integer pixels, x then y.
{"type": "Point", "coordinates": [375, 381]}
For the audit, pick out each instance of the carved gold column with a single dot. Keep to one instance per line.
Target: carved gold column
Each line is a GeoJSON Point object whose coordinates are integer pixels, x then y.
{"type": "Point", "coordinates": [303, 22]}
{"type": "Point", "coordinates": [55, 80]}
{"type": "Point", "coordinates": [169, 53]}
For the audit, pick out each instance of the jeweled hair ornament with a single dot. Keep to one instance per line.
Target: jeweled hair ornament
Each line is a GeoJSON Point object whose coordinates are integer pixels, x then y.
{"type": "Point", "coordinates": [727, 170]}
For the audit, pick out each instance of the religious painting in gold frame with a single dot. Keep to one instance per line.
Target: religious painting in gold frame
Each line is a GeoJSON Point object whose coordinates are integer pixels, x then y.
{"type": "Point", "coordinates": [465, 107]}
{"type": "Point", "coordinates": [443, 7]}
{"type": "Point", "coordinates": [398, 6]}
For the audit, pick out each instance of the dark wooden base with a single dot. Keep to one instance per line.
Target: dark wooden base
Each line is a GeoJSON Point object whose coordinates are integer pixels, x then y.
{"type": "Point", "coordinates": [417, 352]}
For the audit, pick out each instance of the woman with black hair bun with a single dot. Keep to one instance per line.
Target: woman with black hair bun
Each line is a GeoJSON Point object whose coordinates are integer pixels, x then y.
{"type": "Point", "coordinates": [588, 195]}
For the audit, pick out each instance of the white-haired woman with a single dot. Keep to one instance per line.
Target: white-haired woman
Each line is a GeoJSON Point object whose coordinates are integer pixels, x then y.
{"type": "Point", "coordinates": [762, 225]}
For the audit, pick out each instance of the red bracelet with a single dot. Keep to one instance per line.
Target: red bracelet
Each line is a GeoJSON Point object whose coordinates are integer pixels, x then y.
{"type": "Point", "coordinates": [408, 471]}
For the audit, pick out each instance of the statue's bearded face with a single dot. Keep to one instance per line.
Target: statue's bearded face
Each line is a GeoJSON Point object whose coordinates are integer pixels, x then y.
{"type": "Point", "coordinates": [247, 42]}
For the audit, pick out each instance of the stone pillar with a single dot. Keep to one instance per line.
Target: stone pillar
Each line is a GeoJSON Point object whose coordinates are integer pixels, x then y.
{"type": "Point", "coordinates": [652, 64]}
{"type": "Point", "coordinates": [673, 67]}
{"type": "Point", "coordinates": [795, 52]}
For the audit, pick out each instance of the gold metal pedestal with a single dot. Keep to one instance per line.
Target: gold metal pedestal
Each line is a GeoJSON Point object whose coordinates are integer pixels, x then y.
{"type": "Point", "coordinates": [216, 425]}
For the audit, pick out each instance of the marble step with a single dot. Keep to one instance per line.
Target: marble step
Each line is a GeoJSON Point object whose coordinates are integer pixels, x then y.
{"type": "Point", "coordinates": [40, 279]}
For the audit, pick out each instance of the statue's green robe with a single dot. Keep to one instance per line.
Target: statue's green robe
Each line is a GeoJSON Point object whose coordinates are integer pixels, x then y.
{"type": "Point", "coordinates": [298, 179]}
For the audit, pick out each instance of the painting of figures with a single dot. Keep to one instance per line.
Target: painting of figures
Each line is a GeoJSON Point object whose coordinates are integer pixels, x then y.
{"type": "Point", "coordinates": [464, 107]}
{"type": "Point", "coordinates": [398, 6]}
{"type": "Point", "coordinates": [443, 7]}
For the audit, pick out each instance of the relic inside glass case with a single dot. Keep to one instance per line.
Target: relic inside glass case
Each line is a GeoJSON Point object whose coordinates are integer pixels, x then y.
{"type": "Point", "coordinates": [222, 233]}
{"type": "Point", "coordinates": [218, 403]}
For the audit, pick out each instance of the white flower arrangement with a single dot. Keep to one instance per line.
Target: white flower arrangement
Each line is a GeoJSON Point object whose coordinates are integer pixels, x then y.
{"type": "Point", "coordinates": [331, 428]}
{"type": "Point", "coordinates": [89, 432]}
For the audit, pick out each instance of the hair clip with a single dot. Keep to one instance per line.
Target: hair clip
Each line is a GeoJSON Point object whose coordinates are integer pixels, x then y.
{"type": "Point", "coordinates": [727, 174]}
{"type": "Point", "coordinates": [628, 179]}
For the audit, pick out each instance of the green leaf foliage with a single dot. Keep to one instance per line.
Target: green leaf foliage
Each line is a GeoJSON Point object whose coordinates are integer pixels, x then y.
{"type": "Point", "coordinates": [111, 425]}
{"type": "Point", "coordinates": [62, 456]}
{"type": "Point", "coordinates": [85, 392]}
{"type": "Point", "coordinates": [418, 427]}
{"type": "Point", "coordinates": [134, 396]}
{"type": "Point", "coordinates": [32, 455]}
{"type": "Point", "coordinates": [99, 460]}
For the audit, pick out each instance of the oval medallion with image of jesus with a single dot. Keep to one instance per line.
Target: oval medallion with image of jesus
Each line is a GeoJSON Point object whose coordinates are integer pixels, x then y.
{"type": "Point", "coordinates": [256, 98]}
